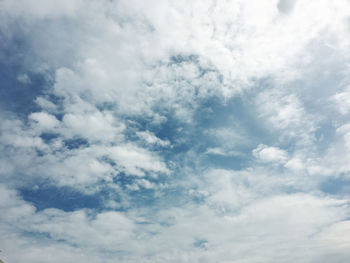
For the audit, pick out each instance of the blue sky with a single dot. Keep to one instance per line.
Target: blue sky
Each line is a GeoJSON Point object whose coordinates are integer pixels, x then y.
{"type": "Point", "coordinates": [157, 131]}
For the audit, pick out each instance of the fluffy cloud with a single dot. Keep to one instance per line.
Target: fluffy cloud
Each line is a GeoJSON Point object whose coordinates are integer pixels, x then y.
{"type": "Point", "coordinates": [308, 221]}
{"type": "Point", "coordinates": [270, 154]}
{"type": "Point", "coordinates": [44, 120]}
{"type": "Point", "coordinates": [197, 126]}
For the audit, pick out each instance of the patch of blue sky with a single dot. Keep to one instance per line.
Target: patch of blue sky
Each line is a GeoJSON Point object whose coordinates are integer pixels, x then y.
{"type": "Point", "coordinates": [44, 237]}
{"type": "Point", "coordinates": [226, 162]}
{"type": "Point", "coordinates": [181, 58]}
{"type": "Point", "coordinates": [172, 130]}
{"type": "Point", "coordinates": [201, 243]}
{"type": "Point", "coordinates": [325, 136]}
{"type": "Point", "coordinates": [178, 196]}
{"type": "Point", "coordinates": [123, 180]}
{"type": "Point", "coordinates": [233, 116]}
{"type": "Point", "coordinates": [48, 137]}
{"type": "Point", "coordinates": [18, 89]}
{"type": "Point", "coordinates": [76, 143]}
{"type": "Point", "coordinates": [143, 198]}
{"type": "Point", "coordinates": [65, 198]}
{"type": "Point", "coordinates": [211, 115]}
{"type": "Point", "coordinates": [339, 186]}
{"type": "Point", "coordinates": [21, 78]}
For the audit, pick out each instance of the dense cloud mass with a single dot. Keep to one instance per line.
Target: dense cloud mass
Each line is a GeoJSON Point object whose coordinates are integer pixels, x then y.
{"type": "Point", "coordinates": [175, 131]}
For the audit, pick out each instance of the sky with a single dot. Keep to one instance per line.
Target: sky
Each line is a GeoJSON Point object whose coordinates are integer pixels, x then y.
{"type": "Point", "coordinates": [175, 131]}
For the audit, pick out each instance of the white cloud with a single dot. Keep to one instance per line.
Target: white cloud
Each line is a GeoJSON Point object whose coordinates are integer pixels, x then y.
{"type": "Point", "coordinates": [14, 133]}
{"type": "Point", "coordinates": [93, 126]}
{"type": "Point", "coordinates": [136, 161]}
{"type": "Point", "coordinates": [223, 152]}
{"type": "Point", "coordinates": [298, 222]}
{"type": "Point", "coordinates": [281, 111]}
{"type": "Point", "coordinates": [152, 139]}
{"type": "Point", "coordinates": [295, 163]}
{"type": "Point", "coordinates": [285, 114]}
{"type": "Point", "coordinates": [342, 100]}
{"type": "Point", "coordinates": [45, 121]}
{"type": "Point", "coordinates": [268, 154]}
{"type": "Point", "coordinates": [117, 62]}
{"type": "Point", "coordinates": [46, 104]}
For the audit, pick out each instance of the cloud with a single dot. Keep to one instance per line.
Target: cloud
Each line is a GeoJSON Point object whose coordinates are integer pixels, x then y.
{"type": "Point", "coordinates": [198, 126]}
{"type": "Point", "coordinates": [135, 161]}
{"type": "Point", "coordinates": [92, 126]}
{"type": "Point", "coordinates": [44, 9]}
{"type": "Point", "coordinates": [44, 120]}
{"type": "Point", "coordinates": [285, 6]}
{"type": "Point", "coordinates": [267, 154]}
{"type": "Point", "coordinates": [342, 101]}
{"type": "Point", "coordinates": [152, 139]}
{"type": "Point", "coordinates": [223, 152]}
{"type": "Point", "coordinates": [24, 79]}
{"type": "Point", "coordinates": [310, 221]}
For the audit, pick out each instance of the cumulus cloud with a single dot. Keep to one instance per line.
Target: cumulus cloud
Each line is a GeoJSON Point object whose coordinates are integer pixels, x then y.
{"type": "Point", "coordinates": [198, 126]}
{"type": "Point", "coordinates": [44, 120]}
{"type": "Point", "coordinates": [268, 154]}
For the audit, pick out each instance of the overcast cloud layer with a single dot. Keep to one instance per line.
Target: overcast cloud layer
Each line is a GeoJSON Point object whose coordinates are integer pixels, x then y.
{"type": "Point", "coordinates": [175, 131]}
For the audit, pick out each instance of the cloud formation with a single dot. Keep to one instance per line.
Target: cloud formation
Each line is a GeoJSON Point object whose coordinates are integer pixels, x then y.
{"type": "Point", "coordinates": [155, 131]}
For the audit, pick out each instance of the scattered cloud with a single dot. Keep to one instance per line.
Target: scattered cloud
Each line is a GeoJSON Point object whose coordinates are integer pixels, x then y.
{"type": "Point", "coordinates": [196, 127]}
